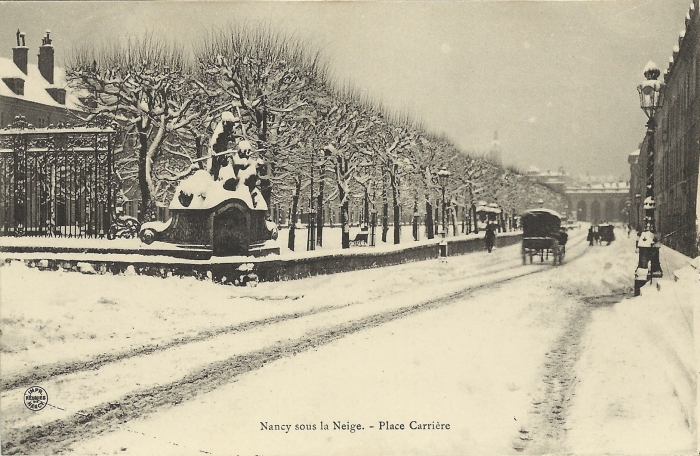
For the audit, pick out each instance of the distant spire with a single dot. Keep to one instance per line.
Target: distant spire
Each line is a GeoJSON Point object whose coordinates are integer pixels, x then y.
{"type": "Point", "coordinates": [494, 154]}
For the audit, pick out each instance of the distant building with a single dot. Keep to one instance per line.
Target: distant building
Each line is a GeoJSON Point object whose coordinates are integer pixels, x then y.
{"type": "Point", "coordinates": [556, 180]}
{"type": "Point", "coordinates": [589, 199]}
{"type": "Point", "coordinates": [494, 153]}
{"type": "Point", "coordinates": [598, 202]}
{"type": "Point", "coordinates": [36, 91]}
{"type": "Point", "coordinates": [677, 143]}
{"type": "Point", "coordinates": [637, 185]}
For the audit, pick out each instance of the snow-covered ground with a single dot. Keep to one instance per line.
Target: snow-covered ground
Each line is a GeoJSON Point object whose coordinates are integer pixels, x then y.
{"type": "Point", "coordinates": [518, 359]}
{"type": "Point", "coordinates": [332, 238]}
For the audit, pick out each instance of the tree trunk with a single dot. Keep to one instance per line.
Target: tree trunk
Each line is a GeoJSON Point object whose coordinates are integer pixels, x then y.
{"type": "Point", "coordinates": [319, 207]}
{"type": "Point", "coordinates": [453, 214]}
{"type": "Point", "coordinates": [366, 209]}
{"type": "Point", "coordinates": [385, 220]}
{"type": "Point", "coordinates": [293, 217]}
{"type": "Point", "coordinates": [415, 219]}
{"type": "Point", "coordinates": [429, 219]}
{"type": "Point", "coordinates": [345, 223]}
{"type": "Point", "coordinates": [437, 217]}
{"type": "Point", "coordinates": [341, 170]}
{"type": "Point", "coordinates": [146, 211]}
{"type": "Point", "coordinates": [397, 219]}
{"type": "Point", "coordinates": [385, 208]}
{"type": "Point", "coordinates": [397, 212]}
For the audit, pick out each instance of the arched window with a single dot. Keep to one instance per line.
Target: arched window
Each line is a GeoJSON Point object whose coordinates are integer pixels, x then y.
{"type": "Point", "coordinates": [595, 212]}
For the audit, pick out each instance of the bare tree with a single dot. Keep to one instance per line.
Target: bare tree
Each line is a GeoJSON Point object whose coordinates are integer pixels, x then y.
{"type": "Point", "coordinates": [261, 75]}
{"type": "Point", "coordinates": [146, 87]}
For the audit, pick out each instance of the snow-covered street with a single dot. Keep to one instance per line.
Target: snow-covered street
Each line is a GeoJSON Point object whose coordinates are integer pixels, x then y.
{"type": "Point", "coordinates": [514, 358]}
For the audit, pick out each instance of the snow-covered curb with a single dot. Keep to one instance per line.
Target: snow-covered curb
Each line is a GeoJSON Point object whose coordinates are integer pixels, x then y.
{"type": "Point", "coordinates": [269, 268]}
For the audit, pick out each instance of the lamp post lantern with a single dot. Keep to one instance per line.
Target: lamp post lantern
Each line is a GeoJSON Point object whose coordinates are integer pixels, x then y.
{"type": "Point", "coordinates": [650, 100]}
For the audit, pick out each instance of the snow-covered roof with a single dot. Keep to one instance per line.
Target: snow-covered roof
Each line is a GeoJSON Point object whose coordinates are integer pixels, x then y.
{"type": "Point", "coordinates": [636, 152]}
{"type": "Point", "coordinates": [35, 85]}
{"type": "Point", "coordinates": [540, 211]}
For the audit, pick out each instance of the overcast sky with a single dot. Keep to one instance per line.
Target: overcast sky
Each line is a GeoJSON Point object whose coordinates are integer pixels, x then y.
{"type": "Point", "coordinates": [556, 79]}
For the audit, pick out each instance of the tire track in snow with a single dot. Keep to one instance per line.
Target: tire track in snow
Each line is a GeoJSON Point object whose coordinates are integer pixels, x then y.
{"type": "Point", "coordinates": [546, 431]}
{"type": "Point", "coordinates": [45, 372]}
{"type": "Point", "coordinates": [60, 434]}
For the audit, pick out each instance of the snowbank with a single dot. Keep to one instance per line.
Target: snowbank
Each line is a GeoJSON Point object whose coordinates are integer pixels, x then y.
{"type": "Point", "coordinates": [637, 376]}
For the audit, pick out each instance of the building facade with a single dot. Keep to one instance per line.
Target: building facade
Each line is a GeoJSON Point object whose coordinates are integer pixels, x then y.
{"type": "Point", "coordinates": [588, 199]}
{"type": "Point", "coordinates": [599, 202]}
{"type": "Point", "coordinates": [36, 91]}
{"type": "Point", "coordinates": [677, 144]}
{"type": "Point", "coordinates": [637, 183]}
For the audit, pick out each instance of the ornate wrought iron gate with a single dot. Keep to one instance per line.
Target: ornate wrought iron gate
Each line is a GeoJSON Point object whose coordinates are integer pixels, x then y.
{"type": "Point", "coordinates": [56, 182]}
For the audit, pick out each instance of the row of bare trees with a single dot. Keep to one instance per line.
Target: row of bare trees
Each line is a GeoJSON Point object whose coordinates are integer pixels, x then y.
{"type": "Point", "coordinates": [324, 143]}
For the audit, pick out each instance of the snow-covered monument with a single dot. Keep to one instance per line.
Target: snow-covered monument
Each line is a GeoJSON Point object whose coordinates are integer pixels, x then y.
{"type": "Point", "coordinates": [223, 208]}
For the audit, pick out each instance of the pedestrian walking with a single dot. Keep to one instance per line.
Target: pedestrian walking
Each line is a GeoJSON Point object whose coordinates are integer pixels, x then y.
{"type": "Point", "coordinates": [490, 237]}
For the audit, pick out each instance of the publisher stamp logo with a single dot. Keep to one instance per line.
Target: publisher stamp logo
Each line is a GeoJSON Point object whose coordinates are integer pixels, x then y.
{"type": "Point", "coordinates": [36, 398]}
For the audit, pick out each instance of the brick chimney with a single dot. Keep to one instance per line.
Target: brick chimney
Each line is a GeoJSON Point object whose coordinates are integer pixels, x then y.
{"type": "Point", "coordinates": [46, 58]}
{"type": "Point", "coordinates": [20, 53]}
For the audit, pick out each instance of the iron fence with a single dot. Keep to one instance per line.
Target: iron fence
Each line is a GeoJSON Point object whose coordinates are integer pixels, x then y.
{"type": "Point", "coordinates": [56, 182]}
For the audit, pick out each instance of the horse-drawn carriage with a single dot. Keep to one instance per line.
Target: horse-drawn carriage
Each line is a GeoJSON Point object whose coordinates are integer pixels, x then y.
{"type": "Point", "coordinates": [607, 233]}
{"type": "Point", "coordinates": [598, 234]}
{"type": "Point", "coordinates": [543, 236]}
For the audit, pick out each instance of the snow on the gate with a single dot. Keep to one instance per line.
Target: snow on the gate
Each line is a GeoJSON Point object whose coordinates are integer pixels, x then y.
{"type": "Point", "coordinates": [638, 377]}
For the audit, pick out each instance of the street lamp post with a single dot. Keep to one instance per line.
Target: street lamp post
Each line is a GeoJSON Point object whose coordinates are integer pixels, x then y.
{"type": "Point", "coordinates": [373, 229]}
{"type": "Point", "coordinates": [650, 100]}
{"type": "Point", "coordinates": [311, 237]}
{"type": "Point", "coordinates": [443, 178]}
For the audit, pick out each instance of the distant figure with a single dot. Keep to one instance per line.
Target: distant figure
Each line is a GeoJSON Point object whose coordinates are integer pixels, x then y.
{"type": "Point", "coordinates": [589, 238]}
{"type": "Point", "coordinates": [490, 237]}
{"type": "Point", "coordinates": [596, 234]}
{"type": "Point", "coordinates": [563, 236]}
